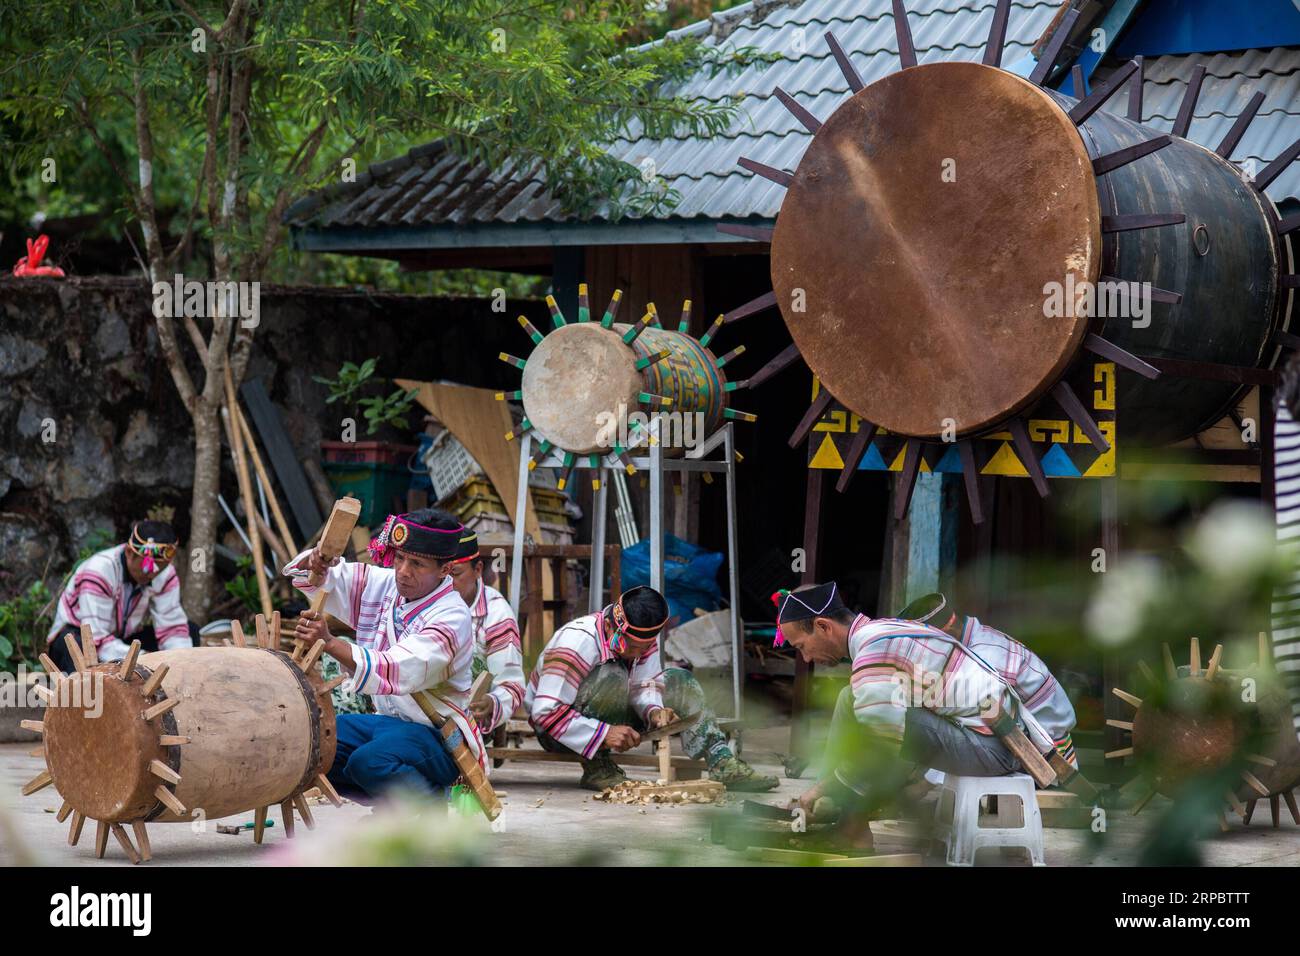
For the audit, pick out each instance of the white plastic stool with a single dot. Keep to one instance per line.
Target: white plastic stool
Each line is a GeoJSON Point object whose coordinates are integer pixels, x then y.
{"type": "Point", "coordinates": [1020, 826]}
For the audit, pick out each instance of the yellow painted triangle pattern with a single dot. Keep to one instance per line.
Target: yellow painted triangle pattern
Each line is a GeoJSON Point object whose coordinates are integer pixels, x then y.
{"type": "Point", "coordinates": [1104, 466]}
{"type": "Point", "coordinates": [827, 456]}
{"type": "Point", "coordinates": [1005, 462]}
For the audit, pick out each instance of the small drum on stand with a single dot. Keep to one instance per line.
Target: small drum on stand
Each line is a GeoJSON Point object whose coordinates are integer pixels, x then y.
{"type": "Point", "coordinates": [590, 387]}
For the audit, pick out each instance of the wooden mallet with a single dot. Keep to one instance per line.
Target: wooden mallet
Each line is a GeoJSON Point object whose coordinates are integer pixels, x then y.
{"type": "Point", "coordinates": [338, 530]}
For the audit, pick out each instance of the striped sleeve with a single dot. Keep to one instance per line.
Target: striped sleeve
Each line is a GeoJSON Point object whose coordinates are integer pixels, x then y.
{"type": "Point", "coordinates": [170, 625]}
{"type": "Point", "coordinates": [1046, 699]}
{"type": "Point", "coordinates": [880, 669]}
{"type": "Point", "coordinates": [346, 582]}
{"type": "Point", "coordinates": [505, 661]}
{"type": "Point", "coordinates": [91, 598]}
{"type": "Point", "coordinates": [566, 660]}
{"type": "Point", "coordinates": [423, 658]}
{"type": "Point", "coordinates": [1286, 595]}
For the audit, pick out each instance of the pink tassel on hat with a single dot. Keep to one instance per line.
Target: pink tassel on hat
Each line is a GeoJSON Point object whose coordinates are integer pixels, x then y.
{"type": "Point", "coordinates": [381, 550]}
{"type": "Point", "coordinates": [776, 599]}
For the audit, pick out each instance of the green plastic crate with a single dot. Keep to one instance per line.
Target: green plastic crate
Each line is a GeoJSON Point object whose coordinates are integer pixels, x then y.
{"type": "Point", "coordinates": [379, 488]}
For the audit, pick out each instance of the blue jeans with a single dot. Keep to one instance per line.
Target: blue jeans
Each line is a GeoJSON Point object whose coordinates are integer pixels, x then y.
{"type": "Point", "coordinates": [377, 752]}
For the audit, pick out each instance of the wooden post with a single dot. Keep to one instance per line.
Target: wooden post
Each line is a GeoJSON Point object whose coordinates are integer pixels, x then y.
{"type": "Point", "coordinates": [667, 772]}
{"type": "Point", "coordinates": [1266, 450]}
{"type": "Point", "coordinates": [803, 671]}
{"type": "Point", "coordinates": [246, 493]}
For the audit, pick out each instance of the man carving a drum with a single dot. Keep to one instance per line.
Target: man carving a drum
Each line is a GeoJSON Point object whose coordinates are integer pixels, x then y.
{"type": "Point", "coordinates": [413, 636]}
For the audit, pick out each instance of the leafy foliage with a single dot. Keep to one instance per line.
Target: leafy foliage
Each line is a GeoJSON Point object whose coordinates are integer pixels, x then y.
{"type": "Point", "coordinates": [22, 628]}
{"type": "Point", "coordinates": [542, 83]}
{"type": "Point", "coordinates": [243, 587]}
{"type": "Point", "coordinates": [378, 411]}
{"type": "Point", "coordinates": [26, 616]}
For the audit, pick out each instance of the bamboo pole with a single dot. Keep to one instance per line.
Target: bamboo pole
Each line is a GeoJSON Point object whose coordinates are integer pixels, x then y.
{"type": "Point", "coordinates": [278, 515]}
{"type": "Point", "coordinates": [279, 555]}
{"type": "Point", "coordinates": [246, 493]}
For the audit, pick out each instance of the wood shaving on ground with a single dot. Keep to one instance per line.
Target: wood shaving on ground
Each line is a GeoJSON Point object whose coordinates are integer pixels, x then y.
{"type": "Point", "coordinates": [641, 792]}
{"type": "Point", "coordinates": [315, 796]}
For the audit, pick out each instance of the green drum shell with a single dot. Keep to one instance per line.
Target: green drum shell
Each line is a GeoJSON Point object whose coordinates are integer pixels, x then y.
{"type": "Point", "coordinates": [689, 375]}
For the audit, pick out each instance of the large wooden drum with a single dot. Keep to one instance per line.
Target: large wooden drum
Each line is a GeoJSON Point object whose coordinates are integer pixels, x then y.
{"type": "Point", "coordinates": [188, 734]}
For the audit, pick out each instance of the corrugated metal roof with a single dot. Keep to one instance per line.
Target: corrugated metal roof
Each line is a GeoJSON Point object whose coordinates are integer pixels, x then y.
{"type": "Point", "coordinates": [430, 187]}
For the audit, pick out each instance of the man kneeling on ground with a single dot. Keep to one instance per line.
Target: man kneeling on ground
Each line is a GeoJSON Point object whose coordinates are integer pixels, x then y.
{"type": "Point", "coordinates": [599, 683]}
{"type": "Point", "coordinates": [412, 637]}
{"type": "Point", "coordinates": [116, 590]}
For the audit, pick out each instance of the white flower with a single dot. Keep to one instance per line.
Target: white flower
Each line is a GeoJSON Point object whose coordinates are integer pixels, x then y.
{"type": "Point", "coordinates": [1121, 605]}
{"type": "Point", "coordinates": [1235, 541]}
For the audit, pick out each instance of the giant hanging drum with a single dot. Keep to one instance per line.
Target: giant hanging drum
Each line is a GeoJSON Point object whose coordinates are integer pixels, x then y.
{"type": "Point", "coordinates": [180, 735]}
{"type": "Point", "coordinates": [939, 211]}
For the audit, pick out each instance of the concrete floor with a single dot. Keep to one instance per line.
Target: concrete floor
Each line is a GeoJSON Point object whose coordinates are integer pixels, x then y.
{"type": "Point", "coordinates": [547, 821]}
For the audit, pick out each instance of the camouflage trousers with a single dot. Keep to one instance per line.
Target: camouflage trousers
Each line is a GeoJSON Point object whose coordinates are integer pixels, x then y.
{"type": "Point", "coordinates": [603, 695]}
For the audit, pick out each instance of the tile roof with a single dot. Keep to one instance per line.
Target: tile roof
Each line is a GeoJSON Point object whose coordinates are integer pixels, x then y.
{"type": "Point", "coordinates": [430, 187]}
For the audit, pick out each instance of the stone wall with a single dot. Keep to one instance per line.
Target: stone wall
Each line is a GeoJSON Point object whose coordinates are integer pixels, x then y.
{"type": "Point", "coordinates": [83, 354]}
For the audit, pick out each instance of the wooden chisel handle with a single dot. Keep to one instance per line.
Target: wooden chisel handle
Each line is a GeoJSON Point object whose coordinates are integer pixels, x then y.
{"type": "Point", "coordinates": [1009, 732]}
{"type": "Point", "coordinates": [466, 762]}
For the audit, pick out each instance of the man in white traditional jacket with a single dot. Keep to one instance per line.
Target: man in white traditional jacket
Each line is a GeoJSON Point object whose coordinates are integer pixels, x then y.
{"type": "Point", "coordinates": [915, 700]}
{"type": "Point", "coordinates": [116, 591]}
{"type": "Point", "coordinates": [600, 681]}
{"type": "Point", "coordinates": [412, 637]}
{"type": "Point", "coordinates": [497, 648]}
{"type": "Point", "coordinates": [1022, 669]}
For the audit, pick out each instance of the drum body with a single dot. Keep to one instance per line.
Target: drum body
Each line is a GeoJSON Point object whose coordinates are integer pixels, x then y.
{"type": "Point", "coordinates": [582, 378]}
{"type": "Point", "coordinates": [1225, 261]}
{"type": "Point", "coordinates": [256, 733]}
{"type": "Point", "coordinates": [933, 211]}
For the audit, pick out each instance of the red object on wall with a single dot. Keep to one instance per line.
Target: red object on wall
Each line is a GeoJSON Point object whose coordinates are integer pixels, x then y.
{"type": "Point", "coordinates": [30, 264]}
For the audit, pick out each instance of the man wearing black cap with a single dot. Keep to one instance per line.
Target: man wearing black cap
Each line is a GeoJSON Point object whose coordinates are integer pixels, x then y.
{"type": "Point", "coordinates": [915, 700]}
{"type": "Point", "coordinates": [497, 648]}
{"type": "Point", "coordinates": [412, 637]}
{"type": "Point", "coordinates": [600, 681]}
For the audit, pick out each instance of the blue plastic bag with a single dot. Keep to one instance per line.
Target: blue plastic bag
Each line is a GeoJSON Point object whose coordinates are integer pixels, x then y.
{"type": "Point", "coordinates": [690, 575]}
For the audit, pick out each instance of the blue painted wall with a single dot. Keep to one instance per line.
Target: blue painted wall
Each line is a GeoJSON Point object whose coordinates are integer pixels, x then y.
{"type": "Point", "coordinates": [1208, 26]}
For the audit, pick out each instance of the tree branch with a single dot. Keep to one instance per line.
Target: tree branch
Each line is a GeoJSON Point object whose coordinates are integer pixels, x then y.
{"type": "Point", "coordinates": [300, 161]}
{"type": "Point", "coordinates": [207, 173]}
{"type": "Point", "coordinates": [144, 147]}
{"type": "Point", "coordinates": [207, 27]}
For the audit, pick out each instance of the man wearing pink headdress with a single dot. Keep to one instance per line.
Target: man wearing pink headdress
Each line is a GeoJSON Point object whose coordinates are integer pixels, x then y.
{"type": "Point", "coordinates": [115, 591]}
{"type": "Point", "coordinates": [413, 636]}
